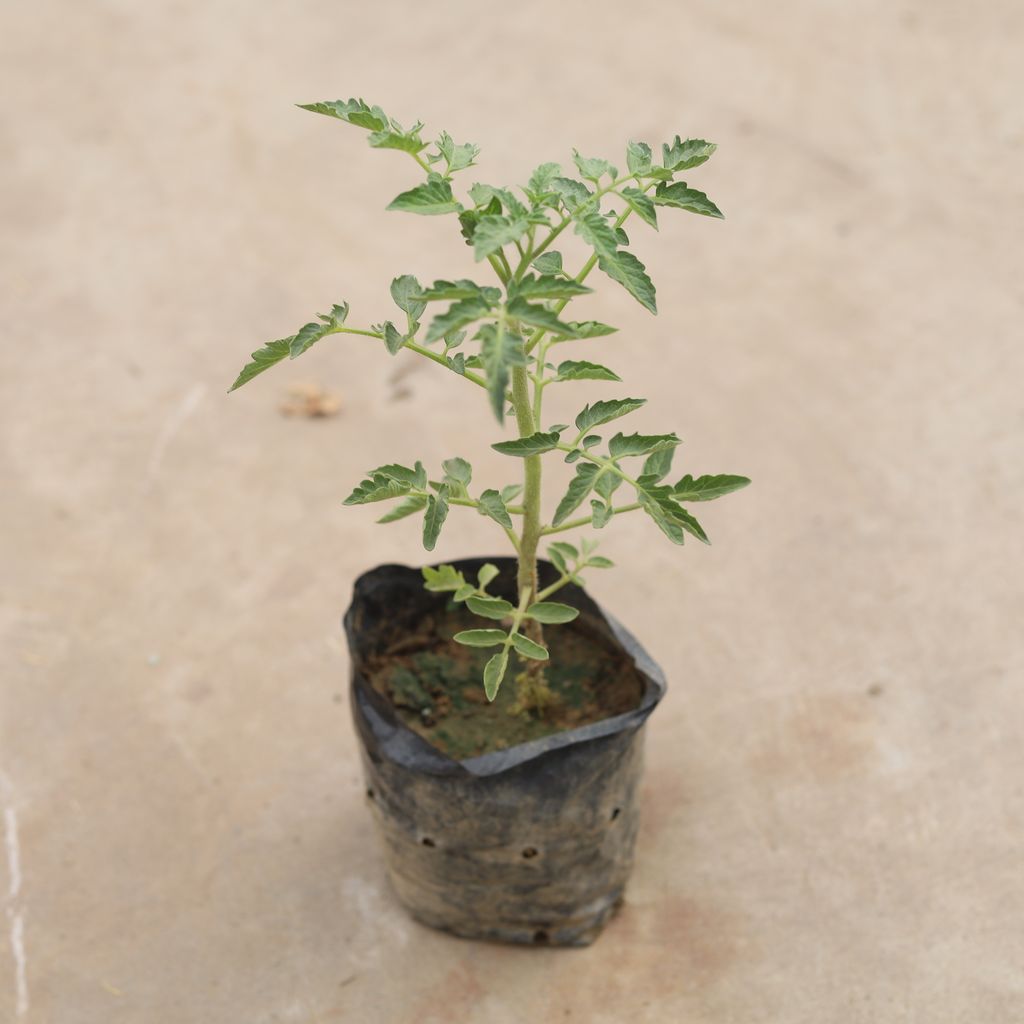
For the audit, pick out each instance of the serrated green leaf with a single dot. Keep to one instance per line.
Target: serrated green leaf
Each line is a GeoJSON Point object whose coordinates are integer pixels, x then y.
{"type": "Point", "coordinates": [548, 263]}
{"type": "Point", "coordinates": [624, 445]}
{"type": "Point", "coordinates": [443, 578]}
{"type": "Point", "coordinates": [528, 648]}
{"type": "Point", "coordinates": [262, 359]}
{"type": "Point", "coordinates": [571, 191]}
{"type": "Point", "coordinates": [407, 507]}
{"type": "Point", "coordinates": [593, 227]}
{"type": "Point", "coordinates": [457, 157]}
{"type": "Point", "coordinates": [547, 287]}
{"type": "Point", "coordinates": [658, 463]}
{"type": "Point", "coordinates": [593, 168]}
{"type": "Point", "coordinates": [415, 477]}
{"type": "Point", "coordinates": [461, 289]}
{"type": "Point", "coordinates": [538, 316]}
{"type": "Point", "coordinates": [707, 488]}
{"type": "Point", "coordinates": [492, 506]}
{"type": "Point", "coordinates": [393, 339]}
{"type": "Point", "coordinates": [604, 412]}
{"type": "Point", "coordinates": [683, 198]}
{"type": "Point", "coordinates": [625, 268]}
{"type": "Point", "coordinates": [551, 612]}
{"type": "Point", "coordinates": [494, 232]}
{"type": "Point", "coordinates": [484, 195]}
{"type": "Point", "coordinates": [534, 444]}
{"type": "Point", "coordinates": [353, 111]}
{"type": "Point", "coordinates": [681, 156]}
{"type": "Point", "coordinates": [407, 293]}
{"type": "Point", "coordinates": [642, 205]}
{"type": "Point", "coordinates": [459, 470]}
{"type": "Point", "coordinates": [579, 487]}
{"type": "Point", "coordinates": [458, 315]}
{"type": "Point", "coordinates": [490, 607]}
{"type": "Point", "coordinates": [540, 180]}
{"type": "Point", "coordinates": [431, 198]}
{"type": "Point", "coordinates": [638, 157]}
{"type": "Point", "coordinates": [578, 369]}
{"type": "Point", "coordinates": [672, 519]}
{"type": "Point", "coordinates": [501, 350]}
{"type": "Point", "coordinates": [394, 137]}
{"type": "Point", "coordinates": [494, 672]}
{"type": "Point", "coordinates": [591, 329]}
{"type": "Point", "coordinates": [433, 519]}
{"type": "Point", "coordinates": [480, 637]}
{"type": "Point", "coordinates": [377, 487]}
{"type": "Point", "coordinates": [600, 514]}
{"type": "Point", "coordinates": [306, 336]}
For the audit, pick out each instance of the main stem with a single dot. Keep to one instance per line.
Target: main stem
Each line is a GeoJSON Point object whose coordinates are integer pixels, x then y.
{"type": "Point", "coordinates": [530, 536]}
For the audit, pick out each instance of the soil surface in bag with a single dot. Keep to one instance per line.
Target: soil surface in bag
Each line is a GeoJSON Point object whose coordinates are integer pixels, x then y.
{"type": "Point", "coordinates": [436, 685]}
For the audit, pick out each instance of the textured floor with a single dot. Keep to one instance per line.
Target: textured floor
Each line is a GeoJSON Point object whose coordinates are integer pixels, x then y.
{"type": "Point", "coordinates": [833, 807]}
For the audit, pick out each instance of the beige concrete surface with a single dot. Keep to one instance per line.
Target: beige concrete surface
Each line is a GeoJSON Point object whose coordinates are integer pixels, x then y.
{"type": "Point", "coordinates": [833, 805]}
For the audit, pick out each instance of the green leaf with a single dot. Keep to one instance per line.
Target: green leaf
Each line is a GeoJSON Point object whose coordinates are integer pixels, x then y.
{"type": "Point", "coordinates": [480, 637]}
{"type": "Point", "coordinates": [433, 520]}
{"type": "Point", "coordinates": [377, 487]}
{"type": "Point", "coordinates": [457, 157]}
{"type": "Point", "coordinates": [528, 649]}
{"type": "Point", "coordinates": [551, 612]}
{"type": "Point", "coordinates": [355, 112]}
{"type": "Point", "coordinates": [407, 507]}
{"type": "Point", "coordinates": [501, 350]}
{"type": "Point", "coordinates": [681, 156]}
{"type": "Point", "coordinates": [707, 488]}
{"type": "Point", "coordinates": [396, 138]}
{"type": "Point", "coordinates": [658, 464]}
{"type": "Point", "coordinates": [538, 316]}
{"type": "Point", "coordinates": [487, 573]}
{"type": "Point", "coordinates": [534, 444]}
{"type": "Point", "coordinates": [494, 672]}
{"type": "Point", "coordinates": [607, 485]}
{"type": "Point", "coordinates": [620, 266]}
{"type": "Point", "coordinates": [541, 179]}
{"type": "Point", "coordinates": [638, 157]}
{"type": "Point", "coordinates": [547, 287]}
{"type": "Point", "coordinates": [511, 492]}
{"type": "Point", "coordinates": [600, 562]}
{"type": "Point", "coordinates": [262, 359]}
{"type": "Point", "coordinates": [591, 329]}
{"type": "Point", "coordinates": [579, 487]}
{"type": "Point", "coordinates": [641, 204]}
{"type": "Point", "coordinates": [458, 315]}
{"type": "Point", "coordinates": [443, 578]}
{"type": "Point", "coordinates": [572, 192]}
{"type": "Point", "coordinates": [623, 445]}
{"type": "Point", "coordinates": [408, 295]}
{"type": "Point", "coordinates": [484, 195]}
{"type": "Point", "coordinates": [559, 552]}
{"type": "Point", "coordinates": [625, 268]}
{"type": "Point", "coordinates": [393, 340]}
{"type": "Point", "coordinates": [494, 232]}
{"type": "Point", "coordinates": [415, 477]}
{"type": "Point", "coordinates": [461, 289]}
{"type": "Point", "coordinates": [548, 263]}
{"type": "Point", "coordinates": [672, 519]}
{"type": "Point", "coordinates": [578, 369]}
{"type": "Point", "coordinates": [600, 513]}
{"type": "Point", "coordinates": [458, 470]}
{"type": "Point", "coordinates": [490, 607]}
{"type": "Point", "coordinates": [683, 198]}
{"type": "Point", "coordinates": [492, 505]}
{"type": "Point", "coordinates": [604, 412]}
{"type": "Point", "coordinates": [431, 198]}
{"type": "Point", "coordinates": [307, 336]}
{"type": "Point", "coordinates": [593, 168]}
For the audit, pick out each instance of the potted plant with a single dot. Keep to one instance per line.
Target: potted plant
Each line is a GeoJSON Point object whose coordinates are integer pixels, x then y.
{"type": "Point", "coordinates": [501, 729]}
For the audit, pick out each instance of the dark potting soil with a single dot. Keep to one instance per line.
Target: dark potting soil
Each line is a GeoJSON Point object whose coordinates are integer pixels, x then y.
{"type": "Point", "coordinates": [436, 685]}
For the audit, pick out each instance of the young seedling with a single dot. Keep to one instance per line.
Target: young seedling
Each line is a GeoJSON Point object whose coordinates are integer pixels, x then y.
{"type": "Point", "coordinates": [499, 338]}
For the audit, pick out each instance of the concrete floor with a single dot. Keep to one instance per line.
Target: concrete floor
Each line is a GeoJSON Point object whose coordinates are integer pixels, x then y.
{"type": "Point", "coordinates": [833, 806]}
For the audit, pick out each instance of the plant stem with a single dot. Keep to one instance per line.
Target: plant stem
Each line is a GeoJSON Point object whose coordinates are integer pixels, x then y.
{"type": "Point", "coordinates": [587, 520]}
{"type": "Point", "coordinates": [527, 576]}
